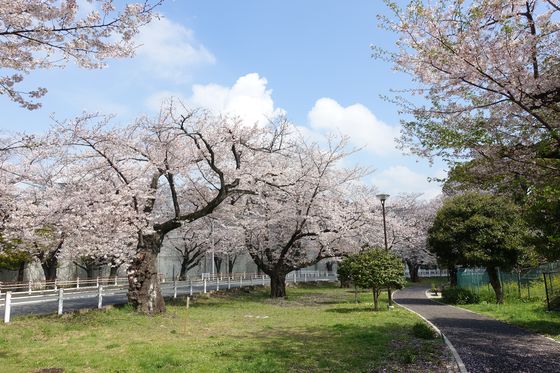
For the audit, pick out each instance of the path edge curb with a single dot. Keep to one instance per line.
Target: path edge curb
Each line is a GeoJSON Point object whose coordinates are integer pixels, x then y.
{"type": "Point", "coordinates": [454, 352]}
{"type": "Point", "coordinates": [492, 318]}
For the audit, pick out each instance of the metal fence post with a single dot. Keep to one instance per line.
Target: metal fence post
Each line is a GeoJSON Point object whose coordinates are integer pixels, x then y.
{"type": "Point", "coordinates": [229, 282]}
{"type": "Point", "coordinates": [77, 282]}
{"type": "Point", "coordinates": [8, 307]}
{"type": "Point", "coordinates": [262, 280]}
{"type": "Point", "coordinates": [190, 292]}
{"type": "Point", "coordinates": [97, 281]}
{"type": "Point", "coordinates": [55, 286]}
{"type": "Point", "coordinates": [115, 280]}
{"type": "Point", "coordinates": [100, 297]}
{"type": "Point", "coordinates": [305, 277]}
{"type": "Point", "coordinates": [217, 284]}
{"type": "Point", "coordinates": [29, 288]}
{"type": "Point", "coordinates": [60, 300]}
{"type": "Point", "coordinates": [175, 289]}
{"type": "Point", "coordinates": [241, 282]}
{"type": "Point", "coordinates": [295, 277]}
{"type": "Point", "coordinates": [205, 286]}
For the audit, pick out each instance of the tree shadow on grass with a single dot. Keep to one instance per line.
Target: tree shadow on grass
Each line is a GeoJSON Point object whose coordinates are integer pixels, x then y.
{"type": "Point", "coordinates": [336, 348]}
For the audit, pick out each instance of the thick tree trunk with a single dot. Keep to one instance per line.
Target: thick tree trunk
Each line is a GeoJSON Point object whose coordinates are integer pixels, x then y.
{"type": "Point", "coordinates": [452, 272]}
{"type": "Point", "coordinates": [231, 263]}
{"type": "Point", "coordinates": [49, 269]}
{"type": "Point", "coordinates": [113, 270]}
{"type": "Point", "coordinates": [218, 263]}
{"type": "Point", "coordinates": [277, 285]}
{"type": "Point", "coordinates": [413, 271]}
{"type": "Point", "coordinates": [183, 272]}
{"type": "Point", "coordinates": [496, 285]}
{"type": "Point", "coordinates": [21, 270]}
{"type": "Point", "coordinates": [90, 272]}
{"type": "Point", "coordinates": [144, 291]}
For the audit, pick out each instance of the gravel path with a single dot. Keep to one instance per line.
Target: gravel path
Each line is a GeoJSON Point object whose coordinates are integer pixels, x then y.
{"type": "Point", "coordinates": [484, 344]}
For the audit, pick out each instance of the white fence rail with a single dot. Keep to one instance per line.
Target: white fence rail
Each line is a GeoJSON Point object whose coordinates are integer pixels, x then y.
{"type": "Point", "coordinates": [22, 294]}
{"type": "Point", "coordinates": [428, 273]}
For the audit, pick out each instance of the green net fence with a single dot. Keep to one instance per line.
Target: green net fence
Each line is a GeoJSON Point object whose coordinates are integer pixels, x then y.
{"type": "Point", "coordinates": [525, 283]}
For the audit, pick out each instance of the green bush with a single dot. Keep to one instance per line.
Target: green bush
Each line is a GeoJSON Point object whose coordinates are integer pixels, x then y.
{"type": "Point", "coordinates": [459, 296]}
{"type": "Point", "coordinates": [424, 331]}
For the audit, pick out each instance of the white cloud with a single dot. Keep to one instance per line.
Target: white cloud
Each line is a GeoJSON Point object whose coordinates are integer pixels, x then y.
{"type": "Point", "coordinates": [170, 51]}
{"type": "Point", "coordinates": [401, 179]}
{"type": "Point", "coordinates": [357, 122]}
{"type": "Point", "coordinates": [248, 98]}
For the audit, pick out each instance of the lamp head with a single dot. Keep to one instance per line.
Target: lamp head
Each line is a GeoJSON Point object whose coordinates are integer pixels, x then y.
{"type": "Point", "coordinates": [382, 197]}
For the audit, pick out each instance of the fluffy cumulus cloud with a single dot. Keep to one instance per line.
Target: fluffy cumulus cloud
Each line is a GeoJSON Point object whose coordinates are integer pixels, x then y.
{"type": "Point", "coordinates": [249, 98]}
{"type": "Point", "coordinates": [357, 122]}
{"type": "Point", "coordinates": [401, 179]}
{"type": "Point", "coordinates": [170, 51]}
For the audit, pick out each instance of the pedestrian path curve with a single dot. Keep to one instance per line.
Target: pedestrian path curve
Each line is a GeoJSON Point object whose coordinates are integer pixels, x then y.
{"type": "Point", "coordinates": [484, 344]}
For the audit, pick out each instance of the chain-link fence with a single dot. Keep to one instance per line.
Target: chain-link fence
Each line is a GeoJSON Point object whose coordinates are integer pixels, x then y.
{"type": "Point", "coordinates": [552, 288]}
{"type": "Point", "coordinates": [519, 284]}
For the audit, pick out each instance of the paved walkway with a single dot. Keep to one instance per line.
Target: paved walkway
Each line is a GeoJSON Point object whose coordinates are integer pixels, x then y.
{"type": "Point", "coordinates": [484, 344]}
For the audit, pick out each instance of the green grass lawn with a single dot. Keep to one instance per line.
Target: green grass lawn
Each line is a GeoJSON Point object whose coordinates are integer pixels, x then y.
{"type": "Point", "coordinates": [527, 312]}
{"type": "Point", "coordinates": [316, 329]}
{"type": "Point", "coordinates": [530, 314]}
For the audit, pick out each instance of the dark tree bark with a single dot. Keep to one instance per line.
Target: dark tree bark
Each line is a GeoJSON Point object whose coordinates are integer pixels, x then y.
{"type": "Point", "coordinates": [49, 268]}
{"type": "Point", "coordinates": [375, 299]}
{"type": "Point", "coordinates": [113, 270]}
{"type": "Point", "coordinates": [277, 285]}
{"type": "Point", "coordinates": [183, 271]}
{"type": "Point", "coordinates": [413, 270]}
{"type": "Point", "coordinates": [218, 262]}
{"type": "Point", "coordinates": [190, 258]}
{"type": "Point", "coordinates": [49, 261]}
{"type": "Point", "coordinates": [21, 269]}
{"type": "Point", "coordinates": [496, 284]}
{"type": "Point", "coordinates": [144, 291]}
{"type": "Point", "coordinates": [452, 273]}
{"type": "Point", "coordinates": [231, 262]}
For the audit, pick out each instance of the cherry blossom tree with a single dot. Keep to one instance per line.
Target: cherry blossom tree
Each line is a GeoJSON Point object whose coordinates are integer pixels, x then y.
{"type": "Point", "coordinates": [409, 220]}
{"type": "Point", "coordinates": [42, 34]}
{"type": "Point", "coordinates": [488, 71]}
{"type": "Point", "coordinates": [191, 244]}
{"type": "Point", "coordinates": [303, 213]}
{"type": "Point", "coordinates": [102, 184]}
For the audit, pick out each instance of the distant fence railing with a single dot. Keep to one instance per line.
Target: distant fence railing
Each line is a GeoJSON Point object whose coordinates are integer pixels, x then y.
{"type": "Point", "coordinates": [552, 288]}
{"type": "Point", "coordinates": [541, 282]}
{"type": "Point", "coordinates": [22, 294]}
{"type": "Point", "coordinates": [428, 272]}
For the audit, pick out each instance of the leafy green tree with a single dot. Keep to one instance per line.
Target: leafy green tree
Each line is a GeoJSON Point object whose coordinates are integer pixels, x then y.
{"type": "Point", "coordinates": [12, 258]}
{"type": "Point", "coordinates": [344, 271]}
{"type": "Point", "coordinates": [374, 269]}
{"type": "Point", "coordinates": [543, 216]}
{"type": "Point", "coordinates": [480, 230]}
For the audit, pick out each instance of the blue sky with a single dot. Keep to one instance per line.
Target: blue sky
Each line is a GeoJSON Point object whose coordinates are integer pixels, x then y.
{"type": "Point", "coordinates": [310, 59]}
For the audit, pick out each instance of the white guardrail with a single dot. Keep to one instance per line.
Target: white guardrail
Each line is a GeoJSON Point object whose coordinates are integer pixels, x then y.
{"type": "Point", "coordinates": [25, 294]}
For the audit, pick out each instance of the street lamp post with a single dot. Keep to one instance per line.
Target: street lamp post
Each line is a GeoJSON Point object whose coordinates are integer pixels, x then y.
{"type": "Point", "coordinates": [383, 197]}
